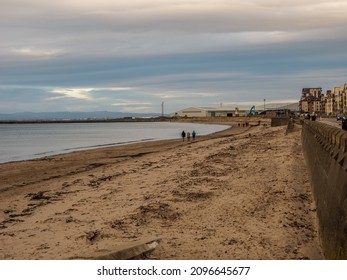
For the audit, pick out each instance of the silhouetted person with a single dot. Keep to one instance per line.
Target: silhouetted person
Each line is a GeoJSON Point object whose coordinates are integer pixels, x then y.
{"type": "Point", "coordinates": [183, 134]}
{"type": "Point", "coordinates": [344, 123]}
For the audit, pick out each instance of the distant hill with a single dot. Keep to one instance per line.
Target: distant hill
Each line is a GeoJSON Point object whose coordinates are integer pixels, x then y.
{"type": "Point", "coordinates": [73, 115]}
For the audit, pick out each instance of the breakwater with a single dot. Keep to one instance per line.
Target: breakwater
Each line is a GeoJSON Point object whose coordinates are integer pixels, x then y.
{"type": "Point", "coordinates": [325, 151]}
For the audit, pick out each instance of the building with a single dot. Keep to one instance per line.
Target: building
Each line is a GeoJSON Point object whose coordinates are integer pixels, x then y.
{"type": "Point", "coordinates": [190, 112]}
{"type": "Point", "coordinates": [332, 103]}
{"type": "Point", "coordinates": [210, 112]}
{"type": "Point", "coordinates": [315, 92]}
{"type": "Point", "coordinates": [329, 103]}
{"type": "Point", "coordinates": [312, 101]}
{"type": "Point", "coordinates": [336, 100]}
{"type": "Point", "coordinates": [337, 91]}
{"type": "Point", "coordinates": [293, 107]}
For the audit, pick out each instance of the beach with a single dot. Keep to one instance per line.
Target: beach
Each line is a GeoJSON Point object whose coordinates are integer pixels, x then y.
{"type": "Point", "coordinates": [243, 193]}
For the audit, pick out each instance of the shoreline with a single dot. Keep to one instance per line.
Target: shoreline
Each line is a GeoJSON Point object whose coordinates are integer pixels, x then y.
{"type": "Point", "coordinates": [215, 198]}
{"type": "Point", "coordinates": [52, 152]}
{"type": "Point", "coordinates": [93, 157]}
{"type": "Point", "coordinates": [205, 120]}
{"type": "Point", "coordinates": [126, 119]}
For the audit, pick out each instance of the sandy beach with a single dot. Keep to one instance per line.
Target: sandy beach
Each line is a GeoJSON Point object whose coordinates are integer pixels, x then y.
{"type": "Point", "coordinates": [243, 193]}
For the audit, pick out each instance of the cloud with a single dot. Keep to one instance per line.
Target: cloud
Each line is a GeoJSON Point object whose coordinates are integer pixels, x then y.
{"type": "Point", "coordinates": [139, 109]}
{"type": "Point", "coordinates": [202, 16]}
{"type": "Point", "coordinates": [117, 29]}
{"type": "Point", "coordinates": [83, 93]}
{"type": "Point", "coordinates": [76, 19]}
{"type": "Point", "coordinates": [76, 93]}
{"type": "Point", "coordinates": [125, 102]}
{"type": "Point", "coordinates": [38, 53]}
{"type": "Point", "coordinates": [195, 52]}
{"type": "Point", "coordinates": [115, 88]}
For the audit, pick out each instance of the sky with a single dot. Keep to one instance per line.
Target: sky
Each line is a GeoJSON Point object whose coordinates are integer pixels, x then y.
{"type": "Point", "coordinates": [135, 55]}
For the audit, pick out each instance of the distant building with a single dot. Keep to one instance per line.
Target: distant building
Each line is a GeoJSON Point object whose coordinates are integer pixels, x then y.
{"type": "Point", "coordinates": [276, 113]}
{"type": "Point", "coordinates": [190, 112]}
{"type": "Point", "coordinates": [329, 103]}
{"type": "Point", "coordinates": [311, 101]}
{"type": "Point", "coordinates": [210, 112]}
{"type": "Point", "coordinates": [332, 103]}
{"type": "Point", "coordinates": [315, 92]}
{"type": "Point", "coordinates": [335, 101]}
{"type": "Point", "coordinates": [294, 107]}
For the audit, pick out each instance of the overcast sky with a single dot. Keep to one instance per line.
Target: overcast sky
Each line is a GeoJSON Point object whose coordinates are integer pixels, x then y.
{"type": "Point", "coordinates": [132, 55]}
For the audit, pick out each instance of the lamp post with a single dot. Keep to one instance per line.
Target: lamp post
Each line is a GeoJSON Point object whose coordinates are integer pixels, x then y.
{"type": "Point", "coordinates": [264, 104]}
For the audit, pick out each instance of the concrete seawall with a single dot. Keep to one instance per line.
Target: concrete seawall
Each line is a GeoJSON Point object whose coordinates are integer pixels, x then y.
{"type": "Point", "coordinates": [325, 151]}
{"type": "Point", "coordinates": [279, 121]}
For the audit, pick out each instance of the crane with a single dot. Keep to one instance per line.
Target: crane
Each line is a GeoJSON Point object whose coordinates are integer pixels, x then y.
{"type": "Point", "coordinates": [252, 111]}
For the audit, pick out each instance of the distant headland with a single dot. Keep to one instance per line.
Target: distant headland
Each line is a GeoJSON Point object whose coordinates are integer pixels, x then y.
{"type": "Point", "coordinates": [67, 117]}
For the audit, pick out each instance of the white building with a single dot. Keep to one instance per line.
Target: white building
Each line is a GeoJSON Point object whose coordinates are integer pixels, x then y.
{"type": "Point", "coordinates": [210, 112]}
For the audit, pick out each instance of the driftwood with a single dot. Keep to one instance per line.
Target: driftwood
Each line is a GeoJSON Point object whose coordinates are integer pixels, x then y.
{"type": "Point", "coordinates": [128, 251]}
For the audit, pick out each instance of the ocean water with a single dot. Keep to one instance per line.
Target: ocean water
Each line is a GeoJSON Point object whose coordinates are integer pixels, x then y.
{"type": "Point", "coordinates": [30, 141]}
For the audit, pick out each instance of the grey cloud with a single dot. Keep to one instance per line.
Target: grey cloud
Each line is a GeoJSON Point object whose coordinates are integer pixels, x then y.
{"type": "Point", "coordinates": [192, 16]}
{"type": "Point", "coordinates": [113, 29]}
{"type": "Point", "coordinates": [171, 50]}
{"type": "Point", "coordinates": [232, 16]}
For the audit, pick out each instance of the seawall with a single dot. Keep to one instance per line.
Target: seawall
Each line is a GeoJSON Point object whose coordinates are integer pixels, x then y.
{"type": "Point", "coordinates": [279, 121]}
{"type": "Point", "coordinates": [325, 151]}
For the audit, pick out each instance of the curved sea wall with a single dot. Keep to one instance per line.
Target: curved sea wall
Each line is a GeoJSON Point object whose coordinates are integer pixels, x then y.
{"type": "Point", "coordinates": [325, 151]}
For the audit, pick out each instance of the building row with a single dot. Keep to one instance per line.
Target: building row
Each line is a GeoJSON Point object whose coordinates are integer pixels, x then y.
{"type": "Point", "coordinates": [333, 102]}
{"type": "Point", "coordinates": [210, 112]}
{"type": "Point", "coordinates": [272, 110]}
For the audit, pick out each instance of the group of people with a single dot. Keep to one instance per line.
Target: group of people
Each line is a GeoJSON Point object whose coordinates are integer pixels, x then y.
{"type": "Point", "coordinates": [243, 124]}
{"type": "Point", "coordinates": [184, 135]}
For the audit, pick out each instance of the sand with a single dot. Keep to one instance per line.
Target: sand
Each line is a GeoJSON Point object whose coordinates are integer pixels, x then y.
{"type": "Point", "coordinates": [241, 194]}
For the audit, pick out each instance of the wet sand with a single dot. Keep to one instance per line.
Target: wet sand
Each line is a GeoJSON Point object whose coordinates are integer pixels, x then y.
{"type": "Point", "coordinates": [239, 194]}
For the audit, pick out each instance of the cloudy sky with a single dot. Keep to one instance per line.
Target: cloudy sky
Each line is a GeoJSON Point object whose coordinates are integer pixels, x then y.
{"type": "Point", "coordinates": [132, 55]}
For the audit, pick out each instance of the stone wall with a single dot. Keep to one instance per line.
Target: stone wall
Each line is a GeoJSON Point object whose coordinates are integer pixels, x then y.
{"type": "Point", "coordinates": [325, 150]}
{"type": "Point", "coordinates": [279, 121]}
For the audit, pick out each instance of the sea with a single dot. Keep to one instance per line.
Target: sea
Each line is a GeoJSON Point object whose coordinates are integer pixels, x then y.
{"type": "Point", "coordinates": [37, 140]}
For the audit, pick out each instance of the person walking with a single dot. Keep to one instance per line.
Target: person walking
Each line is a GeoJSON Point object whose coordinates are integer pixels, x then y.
{"type": "Point", "coordinates": [344, 123]}
{"type": "Point", "coordinates": [193, 134]}
{"type": "Point", "coordinates": [183, 134]}
{"type": "Point", "coordinates": [188, 136]}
